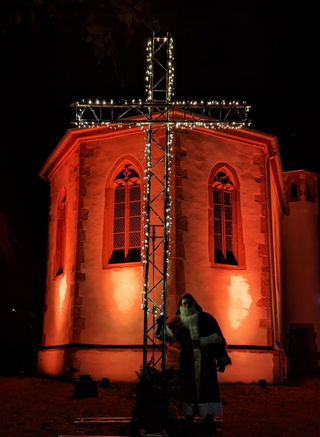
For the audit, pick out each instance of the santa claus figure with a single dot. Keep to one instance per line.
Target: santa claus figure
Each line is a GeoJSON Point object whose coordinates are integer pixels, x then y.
{"type": "Point", "coordinates": [202, 352]}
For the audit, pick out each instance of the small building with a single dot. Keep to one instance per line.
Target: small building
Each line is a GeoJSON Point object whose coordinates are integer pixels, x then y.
{"type": "Point", "coordinates": [301, 278]}
{"type": "Point", "coordinates": [248, 258]}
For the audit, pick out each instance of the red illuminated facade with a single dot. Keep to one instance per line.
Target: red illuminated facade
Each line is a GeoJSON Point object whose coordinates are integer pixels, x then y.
{"type": "Point", "coordinates": [233, 246]}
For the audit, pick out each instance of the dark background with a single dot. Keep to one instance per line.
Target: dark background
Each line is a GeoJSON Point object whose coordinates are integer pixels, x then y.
{"type": "Point", "coordinates": [57, 52]}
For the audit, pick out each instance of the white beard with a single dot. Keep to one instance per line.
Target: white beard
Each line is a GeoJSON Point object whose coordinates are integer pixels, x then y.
{"type": "Point", "coordinates": [190, 318]}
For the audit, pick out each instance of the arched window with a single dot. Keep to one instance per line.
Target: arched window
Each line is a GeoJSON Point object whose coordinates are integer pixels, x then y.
{"type": "Point", "coordinates": [59, 256]}
{"type": "Point", "coordinates": [225, 230]}
{"type": "Point", "coordinates": [126, 219]}
{"type": "Point", "coordinates": [293, 191]}
{"type": "Point", "coordinates": [310, 194]}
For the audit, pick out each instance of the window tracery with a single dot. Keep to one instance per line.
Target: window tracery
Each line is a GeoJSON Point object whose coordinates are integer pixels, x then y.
{"type": "Point", "coordinates": [126, 226]}
{"type": "Point", "coordinates": [224, 216]}
{"type": "Point", "coordinates": [226, 248]}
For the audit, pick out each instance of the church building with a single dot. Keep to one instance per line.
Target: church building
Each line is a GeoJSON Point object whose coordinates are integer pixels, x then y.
{"type": "Point", "coordinates": [244, 242]}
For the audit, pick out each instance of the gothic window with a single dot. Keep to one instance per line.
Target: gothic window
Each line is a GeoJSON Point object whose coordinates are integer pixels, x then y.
{"type": "Point", "coordinates": [60, 234]}
{"type": "Point", "coordinates": [223, 216]}
{"type": "Point", "coordinates": [126, 223]}
{"type": "Point", "coordinates": [225, 230]}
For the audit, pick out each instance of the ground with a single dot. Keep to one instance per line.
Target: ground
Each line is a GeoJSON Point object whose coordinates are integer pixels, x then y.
{"type": "Point", "coordinates": [43, 407]}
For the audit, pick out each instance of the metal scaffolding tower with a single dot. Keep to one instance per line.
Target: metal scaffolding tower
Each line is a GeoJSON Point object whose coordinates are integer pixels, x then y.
{"type": "Point", "coordinates": [159, 115]}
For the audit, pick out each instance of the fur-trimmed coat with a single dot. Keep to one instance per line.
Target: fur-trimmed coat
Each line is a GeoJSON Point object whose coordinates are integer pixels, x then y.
{"type": "Point", "coordinates": [198, 366]}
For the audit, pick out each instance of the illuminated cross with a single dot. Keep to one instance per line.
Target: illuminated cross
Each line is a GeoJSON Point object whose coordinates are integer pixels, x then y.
{"type": "Point", "coordinates": [158, 114]}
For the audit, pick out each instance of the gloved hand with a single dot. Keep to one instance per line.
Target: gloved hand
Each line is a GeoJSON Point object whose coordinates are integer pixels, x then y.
{"type": "Point", "coordinates": [222, 362]}
{"type": "Point", "coordinates": [160, 321]}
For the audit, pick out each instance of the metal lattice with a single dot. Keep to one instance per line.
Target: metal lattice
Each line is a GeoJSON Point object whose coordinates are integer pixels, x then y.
{"type": "Point", "coordinates": [159, 115]}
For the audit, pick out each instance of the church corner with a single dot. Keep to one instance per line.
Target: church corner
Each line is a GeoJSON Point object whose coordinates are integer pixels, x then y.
{"type": "Point", "coordinates": [244, 242]}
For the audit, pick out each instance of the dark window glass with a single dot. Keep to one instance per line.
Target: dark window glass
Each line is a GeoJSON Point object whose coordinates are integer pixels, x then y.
{"type": "Point", "coordinates": [126, 217]}
{"type": "Point", "coordinates": [223, 216]}
{"type": "Point", "coordinates": [294, 190]}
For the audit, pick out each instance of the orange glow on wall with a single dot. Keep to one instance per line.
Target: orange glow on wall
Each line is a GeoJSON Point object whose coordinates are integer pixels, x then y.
{"type": "Point", "coordinates": [126, 282]}
{"type": "Point", "coordinates": [62, 291]}
{"type": "Point", "coordinates": [51, 362]}
{"type": "Point", "coordinates": [91, 301]}
{"type": "Point", "coordinates": [240, 300]}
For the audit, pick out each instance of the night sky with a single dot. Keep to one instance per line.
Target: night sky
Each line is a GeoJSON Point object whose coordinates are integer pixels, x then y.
{"type": "Point", "coordinates": [57, 52]}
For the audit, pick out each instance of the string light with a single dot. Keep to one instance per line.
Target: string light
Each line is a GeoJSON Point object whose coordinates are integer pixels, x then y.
{"type": "Point", "coordinates": [215, 125]}
{"type": "Point", "coordinates": [153, 115]}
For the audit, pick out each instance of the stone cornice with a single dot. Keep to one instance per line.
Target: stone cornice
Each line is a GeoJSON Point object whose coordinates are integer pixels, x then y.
{"type": "Point", "coordinates": [74, 137]}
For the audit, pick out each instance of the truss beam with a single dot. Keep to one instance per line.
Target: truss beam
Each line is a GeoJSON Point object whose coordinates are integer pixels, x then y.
{"type": "Point", "coordinates": [159, 115]}
{"type": "Point", "coordinates": [215, 115]}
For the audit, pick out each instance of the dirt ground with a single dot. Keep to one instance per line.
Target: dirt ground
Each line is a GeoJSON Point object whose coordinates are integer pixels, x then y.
{"type": "Point", "coordinates": [43, 407]}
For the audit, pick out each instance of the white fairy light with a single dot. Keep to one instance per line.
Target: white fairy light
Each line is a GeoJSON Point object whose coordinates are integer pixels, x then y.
{"type": "Point", "coordinates": [202, 118]}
